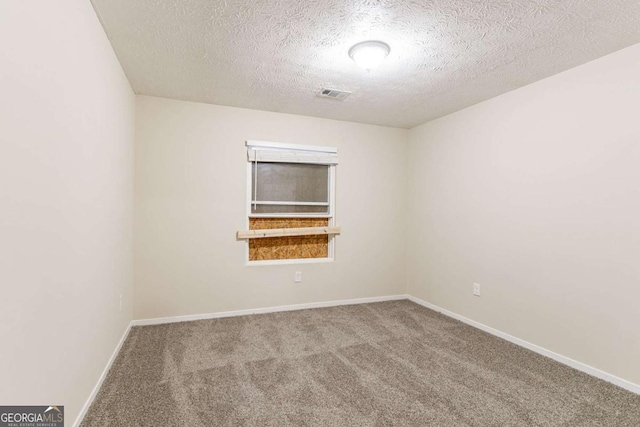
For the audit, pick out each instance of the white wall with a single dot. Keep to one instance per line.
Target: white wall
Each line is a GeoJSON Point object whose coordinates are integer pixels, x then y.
{"type": "Point", "coordinates": [66, 199]}
{"type": "Point", "coordinates": [191, 199]}
{"type": "Point", "coordinates": [536, 196]}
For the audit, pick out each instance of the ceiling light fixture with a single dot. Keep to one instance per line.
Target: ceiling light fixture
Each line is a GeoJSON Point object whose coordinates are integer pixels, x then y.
{"type": "Point", "coordinates": [369, 54]}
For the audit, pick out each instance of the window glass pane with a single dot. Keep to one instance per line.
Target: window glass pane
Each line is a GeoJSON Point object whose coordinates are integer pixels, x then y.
{"type": "Point", "coordinates": [289, 182]}
{"type": "Point", "coordinates": [266, 209]}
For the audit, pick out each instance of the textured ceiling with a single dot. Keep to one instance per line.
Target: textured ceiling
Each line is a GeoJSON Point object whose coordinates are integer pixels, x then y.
{"type": "Point", "coordinates": [275, 55]}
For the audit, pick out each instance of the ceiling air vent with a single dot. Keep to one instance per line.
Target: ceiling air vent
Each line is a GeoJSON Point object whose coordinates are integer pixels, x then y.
{"type": "Point", "coordinates": [334, 94]}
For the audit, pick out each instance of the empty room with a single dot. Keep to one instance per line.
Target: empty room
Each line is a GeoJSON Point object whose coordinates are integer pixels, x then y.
{"type": "Point", "coordinates": [328, 213]}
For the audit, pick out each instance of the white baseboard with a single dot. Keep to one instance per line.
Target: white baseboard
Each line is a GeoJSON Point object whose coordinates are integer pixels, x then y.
{"type": "Point", "coordinates": [95, 390]}
{"type": "Point", "coordinates": [188, 318]}
{"type": "Point", "coordinates": [627, 385]}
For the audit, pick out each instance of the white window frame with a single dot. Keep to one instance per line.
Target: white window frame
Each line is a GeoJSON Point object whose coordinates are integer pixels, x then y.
{"type": "Point", "coordinates": [331, 215]}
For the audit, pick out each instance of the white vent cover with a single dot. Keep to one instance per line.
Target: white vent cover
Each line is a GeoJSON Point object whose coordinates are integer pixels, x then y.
{"type": "Point", "coordinates": [334, 93]}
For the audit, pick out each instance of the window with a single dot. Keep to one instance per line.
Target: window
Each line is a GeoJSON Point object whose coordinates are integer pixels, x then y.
{"type": "Point", "coordinates": [290, 187]}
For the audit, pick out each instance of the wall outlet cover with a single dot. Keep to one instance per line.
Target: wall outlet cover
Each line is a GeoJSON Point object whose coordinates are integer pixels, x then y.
{"type": "Point", "coordinates": [476, 289]}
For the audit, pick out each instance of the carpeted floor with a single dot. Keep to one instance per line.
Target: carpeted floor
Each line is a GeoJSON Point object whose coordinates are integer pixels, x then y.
{"type": "Point", "coordinates": [383, 364]}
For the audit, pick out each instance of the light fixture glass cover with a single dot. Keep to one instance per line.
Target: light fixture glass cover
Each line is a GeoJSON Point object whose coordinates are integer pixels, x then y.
{"type": "Point", "coordinates": [369, 54]}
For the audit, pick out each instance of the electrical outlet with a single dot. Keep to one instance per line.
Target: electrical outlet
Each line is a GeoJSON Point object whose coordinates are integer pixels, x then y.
{"type": "Point", "coordinates": [120, 303]}
{"type": "Point", "coordinates": [297, 277]}
{"type": "Point", "coordinates": [476, 289]}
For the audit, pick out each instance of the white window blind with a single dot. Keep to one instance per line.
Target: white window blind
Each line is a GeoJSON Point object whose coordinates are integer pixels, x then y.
{"type": "Point", "coordinates": [273, 152]}
{"type": "Point", "coordinates": [291, 180]}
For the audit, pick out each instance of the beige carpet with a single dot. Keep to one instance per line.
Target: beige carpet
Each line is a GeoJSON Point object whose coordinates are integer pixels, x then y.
{"type": "Point", "coordinates": [383, 364]}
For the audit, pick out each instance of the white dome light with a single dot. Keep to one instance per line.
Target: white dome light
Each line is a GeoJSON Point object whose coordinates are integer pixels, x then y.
{"type": "Point", "coordinates": [369, 54]}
